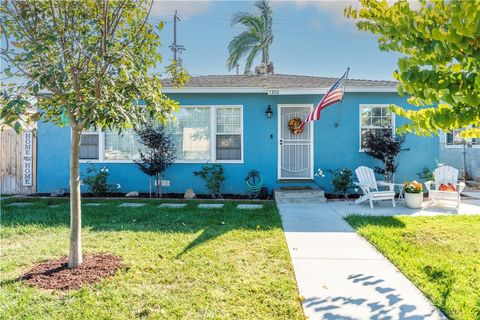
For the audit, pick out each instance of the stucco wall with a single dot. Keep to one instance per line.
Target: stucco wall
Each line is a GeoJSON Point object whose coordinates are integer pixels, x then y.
{"type": "Point", "coordinates": [453, 156]}
{"type": "Point", "coordinates": [336, 145]}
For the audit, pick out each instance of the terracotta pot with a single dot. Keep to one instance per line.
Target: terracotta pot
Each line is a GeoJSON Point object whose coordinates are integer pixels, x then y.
{"type": "Point", "coordinates": [414, 200]}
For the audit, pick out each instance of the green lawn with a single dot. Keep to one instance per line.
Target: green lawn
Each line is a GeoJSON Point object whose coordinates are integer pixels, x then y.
{"type": "Point", "coordinates": [180, 263]}
{"type": "Point", "coordinates": [441, 255]}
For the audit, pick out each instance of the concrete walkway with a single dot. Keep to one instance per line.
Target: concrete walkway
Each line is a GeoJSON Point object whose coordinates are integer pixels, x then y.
{"type": "Point", "coordinates": [340, 275]}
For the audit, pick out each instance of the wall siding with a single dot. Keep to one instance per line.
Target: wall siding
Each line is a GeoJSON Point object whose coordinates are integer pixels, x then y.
{"type": "Point", "coordinates": [336, 145]}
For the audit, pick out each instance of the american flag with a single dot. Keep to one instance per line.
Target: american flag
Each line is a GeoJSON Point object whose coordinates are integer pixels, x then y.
{"type": "Point", "coordinates": [333, 95]}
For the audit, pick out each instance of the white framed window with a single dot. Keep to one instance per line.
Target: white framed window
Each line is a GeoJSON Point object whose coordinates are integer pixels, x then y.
{"type": "Point", "coordinates": [90, 145]}
{"type": "Point", "coordinates": [375, 118]}
{"type": "Point", "coordinates": [200, 134]}
{"type": "Point", "coordinates": [109, 146]}
{"type": "Point", "coordinates": [191, 134]}
{"type": "Point", "coordinates": [228, 134]}
{"type": "Point", "coordinates": [208, 134]}
{"type": "Point", "coordinates": [454, 140]}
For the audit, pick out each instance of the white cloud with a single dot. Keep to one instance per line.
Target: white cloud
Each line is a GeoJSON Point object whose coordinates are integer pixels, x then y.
{"type": "Point", "coordinates": [186, 8]}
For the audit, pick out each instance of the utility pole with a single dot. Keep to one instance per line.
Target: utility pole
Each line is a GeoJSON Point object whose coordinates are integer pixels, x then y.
{"type": "Point", "coordinates": [176, 48]}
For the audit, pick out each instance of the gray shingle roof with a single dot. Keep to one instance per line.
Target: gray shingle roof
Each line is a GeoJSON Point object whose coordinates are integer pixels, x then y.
{"type": "Point", "coordinates": [276, 81]}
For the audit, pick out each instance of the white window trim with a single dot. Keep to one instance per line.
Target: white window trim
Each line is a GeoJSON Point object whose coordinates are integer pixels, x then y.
{"type": "Point", "coordinates": [374, 105]}
{"type": "Point", "coordinates": [213, 133]}
{"type": "Point", "coordinates": [455, 146]}
{"type": "Point", "coordinates": [213, 139]}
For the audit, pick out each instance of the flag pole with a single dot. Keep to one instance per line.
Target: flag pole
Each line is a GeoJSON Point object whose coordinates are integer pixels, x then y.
{"type": "Point", "coordinates": [345, 84]}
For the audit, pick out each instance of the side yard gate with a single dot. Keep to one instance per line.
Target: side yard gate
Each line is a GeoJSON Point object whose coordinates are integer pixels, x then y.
{"type": "Point", "coordinates": [18, 165]}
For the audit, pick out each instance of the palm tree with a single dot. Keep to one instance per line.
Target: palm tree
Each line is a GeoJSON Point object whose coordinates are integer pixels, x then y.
{"type": "Point", "coordinates": [258, 36]}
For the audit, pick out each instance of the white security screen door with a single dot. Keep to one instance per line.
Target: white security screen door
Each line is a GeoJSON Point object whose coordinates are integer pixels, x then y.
{"type": "Point", "coordinates": [295, 153]}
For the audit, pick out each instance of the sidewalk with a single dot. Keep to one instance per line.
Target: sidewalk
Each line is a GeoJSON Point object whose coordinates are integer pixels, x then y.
{"type": "Point", "coordinates": [340, 275]}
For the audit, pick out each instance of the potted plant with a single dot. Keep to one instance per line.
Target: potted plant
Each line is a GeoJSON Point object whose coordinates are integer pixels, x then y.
{"type": "Point", "coordinates": [413, 194]}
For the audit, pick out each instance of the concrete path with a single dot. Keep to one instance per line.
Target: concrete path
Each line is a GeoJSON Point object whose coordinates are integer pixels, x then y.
{"type": "Point", "coordinates": [384, 208]}
{"type": "Point", "coordinates": [341, 276]}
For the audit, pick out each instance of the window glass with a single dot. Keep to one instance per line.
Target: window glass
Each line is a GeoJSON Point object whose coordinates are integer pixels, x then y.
{"type": "Point", "coordinates": [454, 138]}
{"type": "Point", "coordinates": [122, 146]}
{"type": "Point", "coordinates": [229, 139]}
{"type": "Point", "coordinates": [374, 119]}
{"type": "Point", "coordinates": [191, 133]}
{"type": "Point", "coordinates": [89, 146]}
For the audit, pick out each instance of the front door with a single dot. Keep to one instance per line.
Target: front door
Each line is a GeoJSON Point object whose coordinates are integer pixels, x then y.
{"type": "Point", "coordinates": [295, 149]}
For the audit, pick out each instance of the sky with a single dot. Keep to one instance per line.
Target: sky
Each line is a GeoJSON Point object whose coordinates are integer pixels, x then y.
{"type": "Point", "coordinates": [310, 38]}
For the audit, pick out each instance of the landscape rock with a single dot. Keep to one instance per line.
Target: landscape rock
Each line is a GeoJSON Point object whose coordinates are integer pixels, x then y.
{"type": "Point", "coordinates": [132, 194]}
{"type": "Point", "coordinates": [58, 193]}
{"type": "Point", "coordinates": [189, 194]}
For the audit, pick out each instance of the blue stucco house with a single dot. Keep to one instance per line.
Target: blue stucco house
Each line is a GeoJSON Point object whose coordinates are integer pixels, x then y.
{"type": "Point", "coordinates": [224, 119]}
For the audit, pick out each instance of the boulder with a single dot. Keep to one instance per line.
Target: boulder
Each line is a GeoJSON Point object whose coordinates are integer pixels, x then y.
{"type": "Point", "coordinates": [132, 194]}
{"type": "Point", "coordinates": [58, 193]}
{"type": "Point", "coordinates": [189, 194]}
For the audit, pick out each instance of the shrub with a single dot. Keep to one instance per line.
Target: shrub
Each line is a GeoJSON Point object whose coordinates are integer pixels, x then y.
{"type": "Point", "coordinates": [342, 180]}
{"type": "Point", "coordinates": [213, 176]}
{"type": "Point", "coordinates": [385, 147]}
{"type": "Point", "coordinates": [97, 181]}
{"type": "Point", "coordinates": [159, 153]}
{"type": "Point", "coordinates": [426, 174]}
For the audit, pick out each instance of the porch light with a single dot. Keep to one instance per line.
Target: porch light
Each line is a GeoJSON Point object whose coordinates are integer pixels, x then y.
{"type": "Point", "coordinates": [269, 112]}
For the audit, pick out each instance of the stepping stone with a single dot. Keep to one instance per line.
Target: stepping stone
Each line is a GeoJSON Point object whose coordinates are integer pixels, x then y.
{"type": "Point", "coordinates": [249, 206]}
{"type": "Point", "coordinates": [19, 204]}
{"type": "Point", "coordinates": [93, 204]}
{"type": "Point", "coordinates": [172, 205]}
{"type": "Point", "coordinates": [210, 205]}
{"type": "Point", "coordinates": [132, 204]}
{"type": "Point", "coordinates": [55, 206]}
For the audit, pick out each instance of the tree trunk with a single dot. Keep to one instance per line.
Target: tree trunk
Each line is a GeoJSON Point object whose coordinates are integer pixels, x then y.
{"type": "Point", "coordinates": [75, 253]}
{"type": "Point", "coordinates": [158, 177]}
{"type": "Point", "coordinates": [265, 55]}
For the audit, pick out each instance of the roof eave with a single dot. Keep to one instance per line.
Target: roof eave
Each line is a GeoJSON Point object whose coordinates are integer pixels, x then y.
{"type": "Point", "coordinates": [274, 91]}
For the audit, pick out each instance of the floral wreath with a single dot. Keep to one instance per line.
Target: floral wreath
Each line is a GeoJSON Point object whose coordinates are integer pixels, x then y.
{"type": "Point", "coordinates": [295, 125]}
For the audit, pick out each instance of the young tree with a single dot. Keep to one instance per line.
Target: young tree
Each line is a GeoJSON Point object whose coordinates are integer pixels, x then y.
{"type": "Point", "coordinates": [159, 153]}
{"type": "Point", "coordinates": [441, 63]}
{"type": "Point", "coordinates": [94, 59]}
{"type": "Point", "coordinates": [258, 37]}
{"type": "Point", "coordinates": [385, 147]}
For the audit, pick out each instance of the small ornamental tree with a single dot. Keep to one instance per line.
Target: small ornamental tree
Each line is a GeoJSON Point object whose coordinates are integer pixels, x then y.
{"type": "Point", "coordinates": [440, 64]}
{"type": "Point", "coordinates": [94, 60]}
{"type": "Point", "coordinates": [386, 148]}
{"type": "Point", "coordinates": [159, 153]}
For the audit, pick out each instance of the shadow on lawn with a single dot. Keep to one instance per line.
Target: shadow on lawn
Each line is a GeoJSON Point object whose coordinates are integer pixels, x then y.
{"type": "Point", "coordinates": [212, 223]}
{"type": "Point", "coordinates": [361, 221]}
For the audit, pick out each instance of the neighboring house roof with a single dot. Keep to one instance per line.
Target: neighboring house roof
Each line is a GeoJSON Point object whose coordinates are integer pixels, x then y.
{"type": "Point", "coordinates": [275, 84]}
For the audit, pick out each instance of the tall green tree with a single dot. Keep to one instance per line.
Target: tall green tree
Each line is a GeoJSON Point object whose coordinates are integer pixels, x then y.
{"type": "Point", "coordinates": [440, 44]}
{"type": "Point", "coordinates": [94, 59]}
{"type": "Point", "coordinates": [257, 38]}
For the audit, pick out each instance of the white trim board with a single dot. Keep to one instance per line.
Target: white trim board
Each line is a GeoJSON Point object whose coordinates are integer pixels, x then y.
{"type": "Point", "coordinates": [274, 91]}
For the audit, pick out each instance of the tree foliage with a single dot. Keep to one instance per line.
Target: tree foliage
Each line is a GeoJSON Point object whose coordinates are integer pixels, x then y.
{"type": "Point", "coordinates": [257, 38]}
{"type": "Point", "coordinates": [386, 147]}
{"type": "Point", "coordinates": [87, 64]}
{"type": "Point", "coordinates": [440, 44]}
{"type": "Point", "coordinates": [159, 153]}
{"type": "Point", "coordinates": [93, 57]}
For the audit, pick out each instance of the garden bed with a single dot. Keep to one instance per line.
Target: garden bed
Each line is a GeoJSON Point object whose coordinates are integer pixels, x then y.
{"type": "Point", "coordinates": [55, 274]}
{"type": "Point", "coordinates": [165, 196]}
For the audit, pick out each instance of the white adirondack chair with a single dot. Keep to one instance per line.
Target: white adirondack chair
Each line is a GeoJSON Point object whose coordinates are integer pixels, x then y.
{"type": "Point", "coordinates": [370, 187]}
{"type": "Point", "coordinates": [445, 175]}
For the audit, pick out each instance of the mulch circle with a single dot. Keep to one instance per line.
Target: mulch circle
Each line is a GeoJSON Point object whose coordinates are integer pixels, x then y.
{"type": "Point", "coordinates": [55, 274]}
